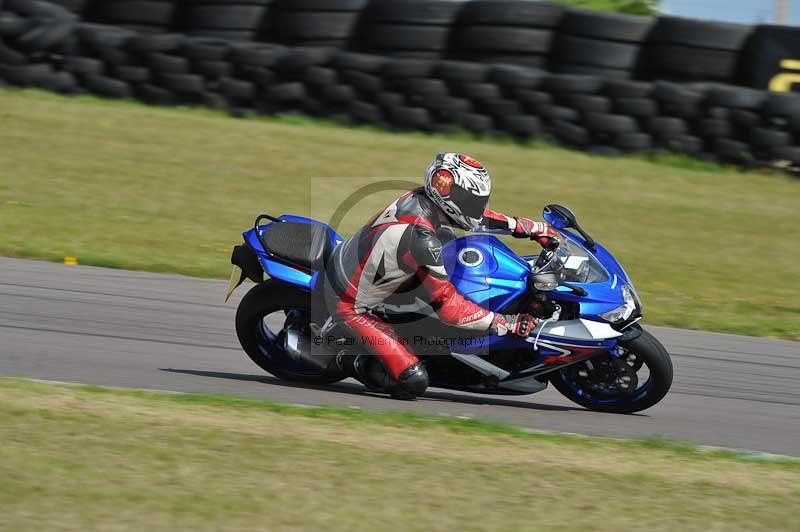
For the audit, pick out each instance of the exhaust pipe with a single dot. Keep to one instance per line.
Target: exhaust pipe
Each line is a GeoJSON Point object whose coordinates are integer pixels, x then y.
{"type": "Point", "coordinates": [298, 346]}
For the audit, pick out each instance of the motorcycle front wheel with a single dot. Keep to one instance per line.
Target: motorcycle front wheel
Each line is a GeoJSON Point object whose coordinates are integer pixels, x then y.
{"type": "Point", "coordinates": [612, 383]}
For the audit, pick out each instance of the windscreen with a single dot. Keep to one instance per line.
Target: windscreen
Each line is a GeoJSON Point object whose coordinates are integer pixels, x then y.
{"type": "Point", "coordinates": [579, 266]}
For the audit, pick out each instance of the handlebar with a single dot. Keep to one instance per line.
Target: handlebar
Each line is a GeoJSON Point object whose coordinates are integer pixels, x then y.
{"type": "Point", "coordinates": [552, 244]}
{"type": "Point", "coordinates": [543, 258]}
{"type": "Point", "coordinates": [547, 252]}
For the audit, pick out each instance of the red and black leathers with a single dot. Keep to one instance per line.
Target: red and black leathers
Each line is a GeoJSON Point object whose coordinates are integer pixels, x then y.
{"type": "Point", "coordinates": [395, 252]}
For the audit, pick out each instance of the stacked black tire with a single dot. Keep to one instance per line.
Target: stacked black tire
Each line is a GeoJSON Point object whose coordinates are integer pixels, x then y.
{"type": "Point", "coordinates": [239, 20]}
{"type": "Point", "coordinates": [506, 31]}
{"type": "Point", "coordinates": [317, 22]}
{"type": "Point", "coordinates": [144, 16]}
{"type": "Point", "coordinates": [688, 49]}
{"type": "Point", "coordinates": [419, 29]}
{"type": "Point", "coordinates": [749, 125]}
{"type": "Point", "coordinates": [413, 84]}
{"type": "Point", "coordinates": [34, 38]}
{"type": "Point", "coordinates": [601, 44]}
{"type": "Point", "coordinates": [102, 52]}
{"type": "Point", "coordinates": [74, 6]}
{"type": "Point", "coordinates": [778, 130]}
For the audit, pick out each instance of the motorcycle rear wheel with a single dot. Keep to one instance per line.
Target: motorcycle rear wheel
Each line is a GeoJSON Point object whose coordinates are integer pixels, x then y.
{"type": "Point", "coordinates": [263, 345]}
{"type": "Point", "coordinates": [648, 351]}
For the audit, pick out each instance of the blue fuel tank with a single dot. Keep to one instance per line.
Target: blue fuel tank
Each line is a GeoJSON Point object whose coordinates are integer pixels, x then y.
{"type": "Point", "coordinates": [485, 270]}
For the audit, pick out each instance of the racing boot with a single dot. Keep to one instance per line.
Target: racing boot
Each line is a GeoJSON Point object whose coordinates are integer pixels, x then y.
{"type": "Point", "coordinates": [369, 371]}
{"type": "Point", "coordinates": [410, 384]}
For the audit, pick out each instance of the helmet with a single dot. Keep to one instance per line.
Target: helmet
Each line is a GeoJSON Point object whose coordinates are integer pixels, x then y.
{"type": "Point", "coordinates": [460, 186]}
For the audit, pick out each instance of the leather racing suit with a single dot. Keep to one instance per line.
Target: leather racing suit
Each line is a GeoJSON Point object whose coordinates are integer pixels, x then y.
{"type": "Point", "coordinates": [395, 252]}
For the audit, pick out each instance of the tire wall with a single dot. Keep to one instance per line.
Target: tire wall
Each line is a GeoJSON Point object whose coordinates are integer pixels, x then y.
{"type": "Point", "coordinates": [605, 83]}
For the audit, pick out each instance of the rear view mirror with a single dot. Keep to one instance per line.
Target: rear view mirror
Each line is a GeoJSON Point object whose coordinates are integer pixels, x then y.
{"type": "Point", "coordinates": [559, 216]}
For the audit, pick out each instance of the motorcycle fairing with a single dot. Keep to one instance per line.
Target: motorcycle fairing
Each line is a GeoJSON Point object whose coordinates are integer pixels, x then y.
{"type": "Point", "coordinates": [557, 344]}
{"type": "Point", "coordinates": [493, 276]}
{"type": "Point", "coordinates": [600, 296]}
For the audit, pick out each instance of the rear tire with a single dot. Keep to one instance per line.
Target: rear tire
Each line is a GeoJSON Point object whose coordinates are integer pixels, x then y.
{"type": "Point", "coordinates": [264, 299]}
{"type": "Point", "coordinates": [657, 360]}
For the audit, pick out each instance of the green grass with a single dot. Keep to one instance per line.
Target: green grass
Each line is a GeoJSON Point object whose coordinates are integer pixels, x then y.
{"type": "Point", "coordinates": [88, 458]}
{"type": "Point", "coordinates": [633, 7]}
{"type": "Point", "coordinates": [125, 185]}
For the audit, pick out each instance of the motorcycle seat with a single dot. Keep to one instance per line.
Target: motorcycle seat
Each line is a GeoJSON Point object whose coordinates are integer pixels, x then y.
{"type": "Point", "coordinates": [302, 244]}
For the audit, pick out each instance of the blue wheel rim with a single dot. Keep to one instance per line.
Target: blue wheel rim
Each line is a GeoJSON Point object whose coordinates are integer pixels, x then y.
{"type": "Point", "coordinates": [640, 392]}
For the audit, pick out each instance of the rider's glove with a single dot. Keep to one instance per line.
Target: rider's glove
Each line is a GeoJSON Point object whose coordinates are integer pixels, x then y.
{"type": "Point", "coordinates": [539, 231]}
{"type": "Point", "coordinates": [519, 324]}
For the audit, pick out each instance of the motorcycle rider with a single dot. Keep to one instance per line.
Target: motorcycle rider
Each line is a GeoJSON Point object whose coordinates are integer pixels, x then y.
{"type": "Point", "coordinates": [399, 250]}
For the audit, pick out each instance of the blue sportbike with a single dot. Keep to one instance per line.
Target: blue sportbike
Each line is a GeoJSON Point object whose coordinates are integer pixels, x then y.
{"type": "Point", "coordinates": [589, 344]}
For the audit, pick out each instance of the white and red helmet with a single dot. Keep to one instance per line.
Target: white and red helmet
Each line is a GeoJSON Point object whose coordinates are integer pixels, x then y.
{"type": "Point", "coordinates": [460, 186]}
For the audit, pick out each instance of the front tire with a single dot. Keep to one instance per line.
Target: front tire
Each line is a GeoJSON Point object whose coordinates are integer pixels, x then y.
{"type": "Point", "coordinates": [264, 346]}
{"type": "Point", "coordinates": [647, 351]}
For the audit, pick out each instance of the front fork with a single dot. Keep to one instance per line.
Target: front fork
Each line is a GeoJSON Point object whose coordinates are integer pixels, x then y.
{"type": "Point", "coordinates": [619, 371]}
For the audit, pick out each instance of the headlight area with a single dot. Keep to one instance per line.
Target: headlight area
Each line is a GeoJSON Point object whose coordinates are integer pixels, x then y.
{"type": "Point", "coordinates": [630, 308]}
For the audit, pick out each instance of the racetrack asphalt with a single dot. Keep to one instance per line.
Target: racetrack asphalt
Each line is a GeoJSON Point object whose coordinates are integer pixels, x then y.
{"type": "Point", "coordinates": [169, 332]}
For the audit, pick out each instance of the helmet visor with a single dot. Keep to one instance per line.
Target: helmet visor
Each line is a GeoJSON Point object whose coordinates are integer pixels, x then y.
{"type": "Point", "coordinates": [471, 205]}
